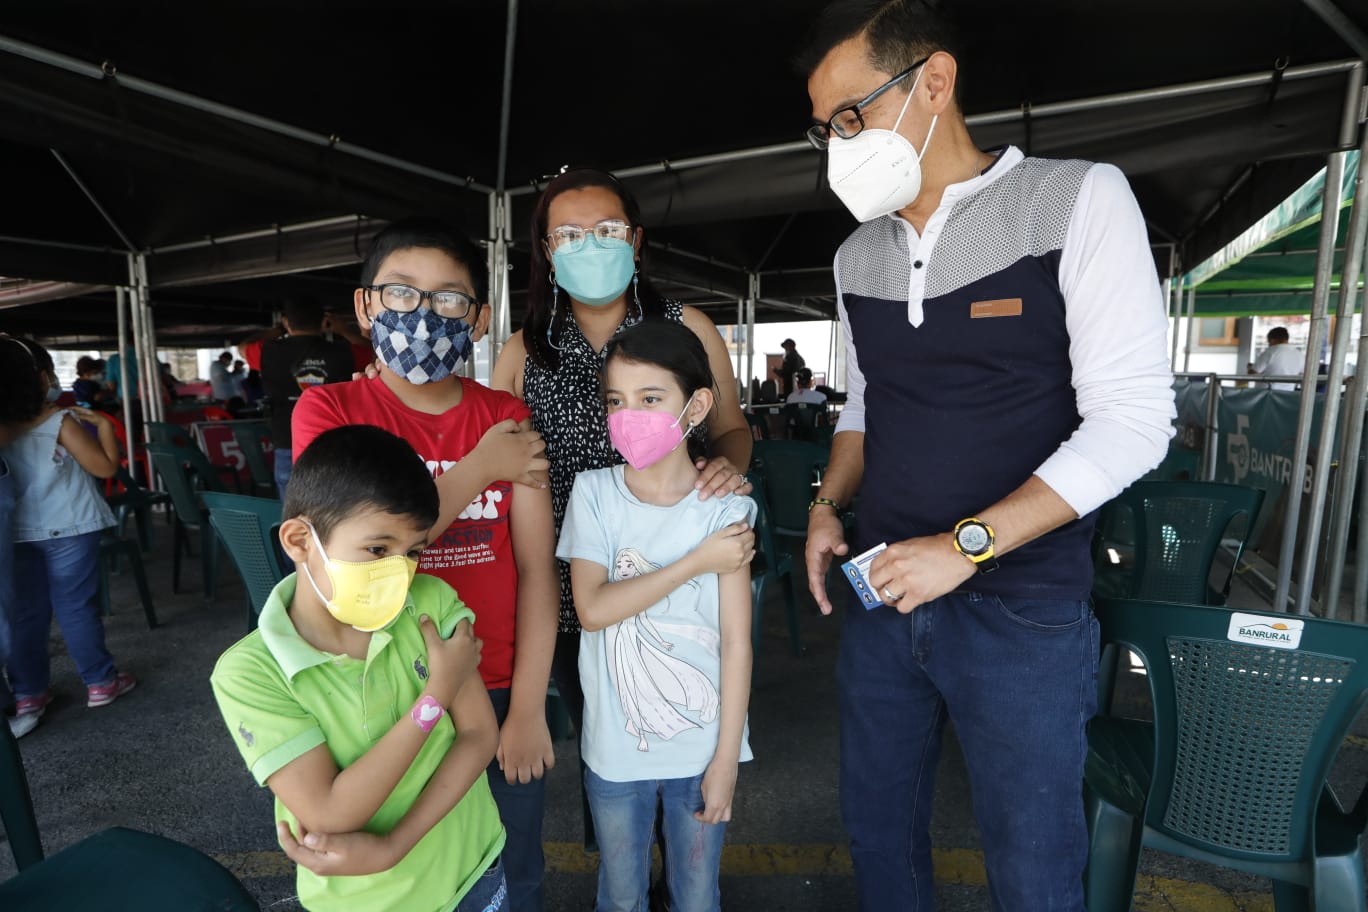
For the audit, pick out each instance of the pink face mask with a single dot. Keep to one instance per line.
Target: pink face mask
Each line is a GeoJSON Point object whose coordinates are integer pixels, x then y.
{"type": "Point", "coordinates": [645, 437]}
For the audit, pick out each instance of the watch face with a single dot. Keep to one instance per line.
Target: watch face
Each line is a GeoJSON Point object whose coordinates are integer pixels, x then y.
{"type": "Point", "coordinates": [973, 538]}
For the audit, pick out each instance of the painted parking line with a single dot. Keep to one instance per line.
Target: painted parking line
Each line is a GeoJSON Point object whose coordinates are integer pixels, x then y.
{"type": "Point", "coordinates": [960, 867]}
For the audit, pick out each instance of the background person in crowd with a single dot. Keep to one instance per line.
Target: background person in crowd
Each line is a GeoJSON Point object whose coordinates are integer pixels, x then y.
{"type": "Point", "coordinates": [292, 357]}
{"type": "Point", "coordinates": [221, 384]}
{"type": "Point", "coordinates": [790, 365]}
{"type": "Point", "coordinates": [589, 280]}
{"type": "Point", "coordinates": [89, 388]}
{"type": "Point", "coordinates": [58, 517]}
{"type": "Point", "coordinates": [1281, 358]}
{"type": "Point", "coordinates": [803, 391]}
{"type": "Point", "coordinates": [979, 461]}
{"type": "Point", "coordinates": [423, 287]}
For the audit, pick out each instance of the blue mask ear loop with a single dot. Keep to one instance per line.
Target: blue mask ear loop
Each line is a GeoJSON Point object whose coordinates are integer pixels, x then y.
{"type": "Point", "coordinates": [555, 302]}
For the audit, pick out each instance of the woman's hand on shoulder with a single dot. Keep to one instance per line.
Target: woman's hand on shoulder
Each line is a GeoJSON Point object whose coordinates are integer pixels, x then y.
{"type": "Point", "coordinates": [717, 476]}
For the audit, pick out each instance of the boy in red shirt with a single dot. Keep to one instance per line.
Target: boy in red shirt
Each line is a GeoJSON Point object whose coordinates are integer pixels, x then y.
{"type": "Point", "coordinates": [422, 285]}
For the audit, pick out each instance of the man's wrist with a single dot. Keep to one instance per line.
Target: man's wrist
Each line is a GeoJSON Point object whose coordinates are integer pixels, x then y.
{"type": "Point", "coordinates": [825, 504]}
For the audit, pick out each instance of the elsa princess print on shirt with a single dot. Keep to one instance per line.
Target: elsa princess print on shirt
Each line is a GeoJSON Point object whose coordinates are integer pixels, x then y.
{"type": "Point", "coordinates": [652, 685]}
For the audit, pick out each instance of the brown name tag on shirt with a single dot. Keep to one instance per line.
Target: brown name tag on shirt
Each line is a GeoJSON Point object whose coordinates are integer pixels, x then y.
{"type": "Point", "coordinates": [1004, 307]}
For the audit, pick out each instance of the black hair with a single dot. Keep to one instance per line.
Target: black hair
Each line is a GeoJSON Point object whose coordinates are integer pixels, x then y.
{"type": "Point", "coordinates": [803, 376]}
{"type": "Point", "coordinates": [899, 33]}
{"type": "Point", "coordinates": [1278, 334]}
{"type": "Point", "coordinates": [304, 313]}
{"type": "Point", "coordinates": [427, 234]}
{"type": "Point", "coordinates": [24, 365]}
{"type": "Point", "coordinates": [539, 284]}
{"type": "Point", "coordinates": [357, 467]}
{"type": "Point", "coordinates": [227, 355]}
{"type": "Point", "coordinates": [674, 347]}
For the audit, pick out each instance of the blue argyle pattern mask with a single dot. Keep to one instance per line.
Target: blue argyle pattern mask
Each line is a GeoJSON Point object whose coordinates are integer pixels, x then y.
{"type": "Point", "coordinates": [421, 346]}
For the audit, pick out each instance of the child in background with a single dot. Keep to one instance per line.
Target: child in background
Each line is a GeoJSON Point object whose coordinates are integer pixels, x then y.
{"type": "Point", "coordinates": [662, 589]}
{"type": "Point", "coordinates": [58, 518]}
{"type": "Point", "coordinates": [355, 700]}
{"type": "Point", "coordinates": [421, 301]}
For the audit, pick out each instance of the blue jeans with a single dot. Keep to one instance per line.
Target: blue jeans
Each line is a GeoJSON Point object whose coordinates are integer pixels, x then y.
{"type": "Point", "coordinates": [6, 579]}
{"type": "Point", "coordinates": [58, 576]}
{"type": "Point", "coordinates": [284, 464]}
{"type": "Point", "coordinates": [624, 818]}
{"type": "Point", "coordinates": [520, 809]}
{"type": "Point", "coordinates": [1016, 676]}
{"type": "Point", "coordinates": [490, 893]}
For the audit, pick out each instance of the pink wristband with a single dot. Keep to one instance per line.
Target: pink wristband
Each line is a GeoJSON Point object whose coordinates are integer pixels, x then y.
{"type": "Point", "coordinates": [426, 712]}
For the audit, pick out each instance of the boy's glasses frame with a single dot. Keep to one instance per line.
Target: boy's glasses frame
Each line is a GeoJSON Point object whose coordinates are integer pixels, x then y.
{"type": "Point", "coordinates": [401, 298]}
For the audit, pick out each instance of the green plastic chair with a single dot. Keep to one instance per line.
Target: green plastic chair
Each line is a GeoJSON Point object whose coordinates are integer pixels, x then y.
{"type": "Point", "coordinates": [209, 475]}
{"type": "Point", "coordinates": [250, 436]}
{"type": "Point", "coordinates": [1175, 530]}
{"type": "Point", "coordinates": [770, 563]}
{"type": "Point", "coordinates": [190, 516]}
{"type": "Point", "coordinates": [1233, 769]}
{"type": "Point", "coordinates": [112, 547]}
{"type": "Point", "coordinates": [801, 420]}
{"type": "Point", "coordinates": [136, 501]}
{"type": "Point", "coordinates": [116, 870]}
{"type": "Point", "coordinates": [248, 527]}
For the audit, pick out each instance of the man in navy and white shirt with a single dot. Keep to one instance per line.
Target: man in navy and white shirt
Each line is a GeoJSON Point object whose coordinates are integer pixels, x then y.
{"type": "Point", "coordinates": [1007, 375]}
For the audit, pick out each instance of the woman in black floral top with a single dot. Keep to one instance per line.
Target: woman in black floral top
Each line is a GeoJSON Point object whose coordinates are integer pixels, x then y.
{"type": "Point", "coordinates": [580, 226]}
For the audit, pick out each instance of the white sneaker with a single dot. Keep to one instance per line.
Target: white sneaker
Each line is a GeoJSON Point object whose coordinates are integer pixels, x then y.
{"type": "Point", "coordinates": [22, 725]}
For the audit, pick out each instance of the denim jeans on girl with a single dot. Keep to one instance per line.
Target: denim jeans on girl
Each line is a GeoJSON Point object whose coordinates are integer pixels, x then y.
{"type": "Point", "coordinates": [1016, 676]}
{"type": "Point", "coordinates": [58, 576]}
{"type": "Point", "coordinates": [624, 818]}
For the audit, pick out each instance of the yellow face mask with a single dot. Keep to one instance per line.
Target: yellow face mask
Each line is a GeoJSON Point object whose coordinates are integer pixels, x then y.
{"type": "Point", "coordinates": [366, 594]}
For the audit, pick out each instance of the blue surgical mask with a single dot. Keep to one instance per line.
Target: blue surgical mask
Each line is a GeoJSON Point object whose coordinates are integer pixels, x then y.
{"type": "Point", "coordinates": [598, 272]}
{"type": "Point", "coordinates": [421, 346]}
{"type": "Point", "coordinates": [54, 393]}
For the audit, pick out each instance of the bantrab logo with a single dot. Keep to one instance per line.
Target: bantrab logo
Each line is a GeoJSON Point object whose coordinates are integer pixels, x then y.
{"type": "Point", "coordinates": [1237, 449]}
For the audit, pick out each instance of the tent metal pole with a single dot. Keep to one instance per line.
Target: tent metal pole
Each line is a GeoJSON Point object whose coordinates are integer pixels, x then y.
{"type": "Point", "coordinates": [1320, 299]}
{"type": "Point", "coordinates": [1191, 310]}
{"type": "Point", "coordinates": [1341, 25]}
{"type": "Point", "coordinates": [104, 213]}
{"type": "Point", "coordinates": [1173, 322]}
{"type": "Point", "coordinates": [754, 287]}
{"type": "Point", "coordinates": [506, 107]}
{"type": "Point", "coordinates": [1209, 438]}
{"type": "Point", "coordinates": [1356, 248]}
{"type": "Point", "coordinates": [260, 233]}
{"type": "Point", "coordinates": [194, 102]}
{"type": "Point", "coordinates": [742, 380]}
{"type": "Point", "coordinates": [152, 400]}
{"type": "Point", "coordinates": [121, 305]}
{"type": "Point", "coordinates": [1311, 71]}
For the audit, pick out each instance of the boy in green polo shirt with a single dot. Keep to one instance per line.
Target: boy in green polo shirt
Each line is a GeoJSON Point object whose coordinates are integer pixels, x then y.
{"type": "Point", "coordinates": [356, 702]}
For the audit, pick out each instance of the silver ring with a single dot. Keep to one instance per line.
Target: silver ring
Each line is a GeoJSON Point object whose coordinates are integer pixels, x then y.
{"type": "Point", "coordinates": [890, 597]}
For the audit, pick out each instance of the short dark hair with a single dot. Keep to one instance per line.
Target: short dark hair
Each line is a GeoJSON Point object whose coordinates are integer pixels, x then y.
{"type": "Point", "coordinates": [23, 364]}
{"type": "Point", "coordinates": [674, 347]}
{"type": "Point", "coordinates": [1278, 334]}
{"type": "Point", "coordinates": [357, 467]}
{"type": "Point", "coordinates": [899, 32]}
{"type": "Point", "coordinates": [225, 356]}
{"type": "Point", "coordinates": [803, 376]}
{"type": "Point", "coordinates": [428, 234]}
{"type": "Point", "coordinates": [303, 312]}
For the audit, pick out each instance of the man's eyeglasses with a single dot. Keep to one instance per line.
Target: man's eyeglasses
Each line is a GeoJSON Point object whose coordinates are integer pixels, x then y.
{"type": "Point", "coordinates": [454, 305]}
{"type": "Point", "coordinates": [848, 122]}
{"type": "Point", "coordinates": [572, 237]}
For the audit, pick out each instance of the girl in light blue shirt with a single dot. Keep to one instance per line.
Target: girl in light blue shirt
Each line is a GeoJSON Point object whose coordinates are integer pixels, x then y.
{"type": "Point", "coordinates": [662, 588]}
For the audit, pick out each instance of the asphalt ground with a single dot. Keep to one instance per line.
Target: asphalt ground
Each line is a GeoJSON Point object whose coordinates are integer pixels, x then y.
{"type": "Point", "coordinates": [159, 759]}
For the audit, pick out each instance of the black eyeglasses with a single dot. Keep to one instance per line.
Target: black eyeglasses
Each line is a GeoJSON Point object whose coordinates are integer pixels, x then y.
{"type": "Point", "coordinates": [455, 305]}
{"type": "Point", "coordinates": [848, 122]}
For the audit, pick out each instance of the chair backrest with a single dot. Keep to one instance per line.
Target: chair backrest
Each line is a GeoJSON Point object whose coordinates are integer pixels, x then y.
{"type": "Point", "coordinates": [16, 805]}
{"type": "Point", "coordinates": [1179, 526]}
{"type": "Point", "coordinates": [764, 525]}
{"type": "Point", "coordinates": [250, 435]}
{"type": "Point", "coordinates": [176, 477]}
{"type": "Point", "coordinates": [1245, 733]}
{"type": "Point", "coordinates": [769, 391]}
{"type": "Point", "coordinates": [802, 418]}
{"type": "Point", "coordinates": [248, 526]}
{"type": "Point", "coordinates": [790, 469]}
{"type": "Point", "coordinates": [166, 433]}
